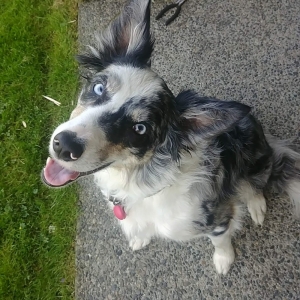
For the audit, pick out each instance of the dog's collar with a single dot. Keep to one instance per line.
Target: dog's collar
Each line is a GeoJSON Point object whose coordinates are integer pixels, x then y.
{"type": "Point", "coordinates": [119, 210]}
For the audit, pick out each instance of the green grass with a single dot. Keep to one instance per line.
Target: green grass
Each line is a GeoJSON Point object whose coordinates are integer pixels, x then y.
{"type": "Point", "coordinates": [37, 46]}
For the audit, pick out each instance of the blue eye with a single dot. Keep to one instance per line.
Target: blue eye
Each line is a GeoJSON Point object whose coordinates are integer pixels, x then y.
{"type": "Point", "coordinates": [98, 89]}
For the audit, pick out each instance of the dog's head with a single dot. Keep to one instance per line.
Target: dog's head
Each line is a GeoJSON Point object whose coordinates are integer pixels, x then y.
{"type": "Point", "coordinates": [125, 111]}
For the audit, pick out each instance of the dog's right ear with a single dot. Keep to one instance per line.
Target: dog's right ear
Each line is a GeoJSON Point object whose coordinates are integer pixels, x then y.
{"type": "Point", "coordinates": [203, 117]}
{"type": "Point", "coordinates": [127, 40]}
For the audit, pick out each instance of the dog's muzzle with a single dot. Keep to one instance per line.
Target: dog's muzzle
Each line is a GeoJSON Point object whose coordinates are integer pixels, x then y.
{"type": "Point", "coordinates": [55, 175]}
{"type": "Point", "coordinates": [66, 147]}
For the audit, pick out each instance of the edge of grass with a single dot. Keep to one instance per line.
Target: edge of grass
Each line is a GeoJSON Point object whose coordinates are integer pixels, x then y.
{"type": "Point", "coordinates": [38, 40]}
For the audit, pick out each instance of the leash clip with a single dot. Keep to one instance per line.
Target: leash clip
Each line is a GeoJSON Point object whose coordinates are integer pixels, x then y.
{"type": "Point", "coordinates": [177, 4]}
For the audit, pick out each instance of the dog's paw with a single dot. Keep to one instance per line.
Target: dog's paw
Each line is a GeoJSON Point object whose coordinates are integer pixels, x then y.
{"type": "Point", "coordinates": [223, 260]}
{"type": "Point", "coordinates": [137, 243]}
{"type": "Point", "coordinates": [257, 208]}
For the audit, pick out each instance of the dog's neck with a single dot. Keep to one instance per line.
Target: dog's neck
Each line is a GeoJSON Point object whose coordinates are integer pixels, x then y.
{"type": "Point", "coordinates": [117, 201]}
{"type": "Point", "coordinates": [119, 206]}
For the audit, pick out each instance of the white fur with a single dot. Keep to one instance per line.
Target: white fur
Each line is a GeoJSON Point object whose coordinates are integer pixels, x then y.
{"type": "Point", "coordinates": [168, 213]}
{"type": "Point", "coordinates": [165, 213]}
{"type": "Point", "coordinates": [255, 201]}
{"type": "Point", "coordinates": [224, 254]}
{"type": "Point", "coordinates": [257, 208]}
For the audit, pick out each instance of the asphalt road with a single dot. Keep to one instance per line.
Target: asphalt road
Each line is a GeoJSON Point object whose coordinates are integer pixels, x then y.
{"type": "Point", "coordinates": [242, 50]}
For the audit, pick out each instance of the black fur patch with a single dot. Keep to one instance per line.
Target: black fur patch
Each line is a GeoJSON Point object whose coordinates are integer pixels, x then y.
{"type": "Point", "coordinates": [241, 153]}
{"type": "Point", "coordinates": [208, 212]}
{"type": "Point", "coordinates": [207, 117]}
{"type": "Point", "coordinates": [118, 126]}
{"type": "Point", "coordinates": [245, 154]}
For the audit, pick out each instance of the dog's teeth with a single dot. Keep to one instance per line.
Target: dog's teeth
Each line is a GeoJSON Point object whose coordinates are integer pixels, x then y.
{"type": "Point", "coordinates": [73, 157]}
{"type": "Point", "coordinates": [48, 159]}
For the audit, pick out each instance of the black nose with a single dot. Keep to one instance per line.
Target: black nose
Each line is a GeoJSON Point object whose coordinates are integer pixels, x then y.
{"type": "Point", "coordinates": [67, 146]}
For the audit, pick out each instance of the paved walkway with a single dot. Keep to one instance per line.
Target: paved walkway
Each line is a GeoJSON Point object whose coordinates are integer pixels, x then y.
{"type": "Point", "coordinates": [231, 49]}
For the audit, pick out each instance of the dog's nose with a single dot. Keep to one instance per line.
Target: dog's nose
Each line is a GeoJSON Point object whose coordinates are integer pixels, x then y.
{"type": "Point", "coordinates": [67, 146]}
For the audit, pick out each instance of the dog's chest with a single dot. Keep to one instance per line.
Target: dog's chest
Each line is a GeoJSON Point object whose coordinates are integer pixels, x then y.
{"type": "Point", "coordinates": [171, 212]}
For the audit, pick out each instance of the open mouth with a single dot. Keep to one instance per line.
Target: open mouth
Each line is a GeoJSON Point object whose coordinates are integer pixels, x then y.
{"type": "Point", "coordinates": [55, 175]}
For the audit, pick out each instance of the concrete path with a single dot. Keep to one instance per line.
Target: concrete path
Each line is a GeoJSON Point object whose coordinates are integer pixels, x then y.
{"type": "Point", "coordinates": [242, 50]}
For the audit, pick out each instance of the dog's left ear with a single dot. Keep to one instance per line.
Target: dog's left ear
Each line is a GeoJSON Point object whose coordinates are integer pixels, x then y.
{"type": "Point", "coordinates": [202, 117]}
{"type": "Point", "coordinates": [126, 40]}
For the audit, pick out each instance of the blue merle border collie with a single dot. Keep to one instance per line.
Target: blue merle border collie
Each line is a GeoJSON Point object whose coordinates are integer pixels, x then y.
{"type": "Point", "coordinates": [177, 167]}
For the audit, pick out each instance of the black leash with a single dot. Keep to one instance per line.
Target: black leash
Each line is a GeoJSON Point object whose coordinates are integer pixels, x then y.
{"type": "Point", "coordinates": [177, 4]}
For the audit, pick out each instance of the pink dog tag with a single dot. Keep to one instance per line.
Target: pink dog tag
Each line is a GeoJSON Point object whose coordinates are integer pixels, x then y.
{"type": "Point", "coordinates": [119, 212]}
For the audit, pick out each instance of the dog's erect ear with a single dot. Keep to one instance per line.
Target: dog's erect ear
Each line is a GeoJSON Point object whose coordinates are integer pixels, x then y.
{"type": "Point", "coordinates": [127, 40]}
{"type": "Point", "coordinates": [203, 117]}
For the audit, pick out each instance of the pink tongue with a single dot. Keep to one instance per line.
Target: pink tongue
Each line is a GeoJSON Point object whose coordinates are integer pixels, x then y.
{"type": "Point", "coordinates": [57, 175]}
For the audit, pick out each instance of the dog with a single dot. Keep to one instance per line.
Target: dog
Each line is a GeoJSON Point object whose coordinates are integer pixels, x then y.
{"type": "Point", "coordinates": [172, 167]}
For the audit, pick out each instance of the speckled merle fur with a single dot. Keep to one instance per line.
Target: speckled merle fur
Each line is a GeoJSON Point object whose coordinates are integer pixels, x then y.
{"type": "Point", "coordinates": [197, 161]}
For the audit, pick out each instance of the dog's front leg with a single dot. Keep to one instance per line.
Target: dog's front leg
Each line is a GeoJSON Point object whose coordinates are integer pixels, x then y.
{"type": "Point", "coordinates": [137, 235]}
{"type": "Point", "coordinates": [137, 243]}
{"type": "Point", "coordinates": [224, 253]}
